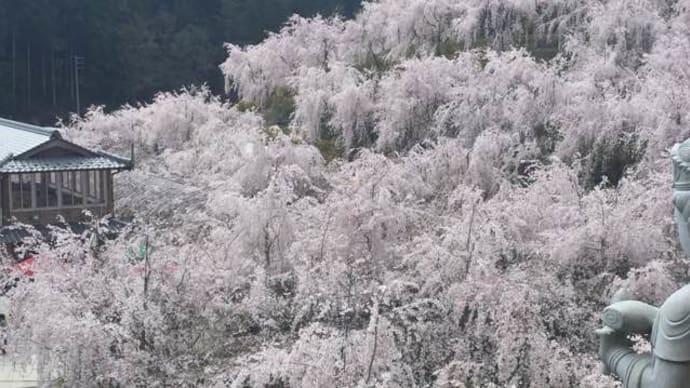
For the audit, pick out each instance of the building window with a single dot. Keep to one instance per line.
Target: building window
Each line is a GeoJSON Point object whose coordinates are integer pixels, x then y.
{"type": "Point", "coordinates": [41, 190]}
{"type": "Point", "coordinates": [57, 189]}
{"type": "Point", "coordinates": [93, 187]}
{"type": "Point", "coordinates": [21, 191]}
{"type": "Point", "coordinates": [66, 188]}
{"type": "Point", "coordinates": [52, 189]}
{"type": "Point", "coordinates": [16, 196]}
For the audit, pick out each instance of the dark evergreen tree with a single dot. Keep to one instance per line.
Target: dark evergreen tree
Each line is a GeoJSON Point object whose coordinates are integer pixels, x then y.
{"type": "Point", "coordinates": [125, 51]}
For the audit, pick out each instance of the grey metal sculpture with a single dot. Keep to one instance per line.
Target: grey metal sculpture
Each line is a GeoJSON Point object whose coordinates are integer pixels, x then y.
{"type": "Point", "coordinates": [668, 327]}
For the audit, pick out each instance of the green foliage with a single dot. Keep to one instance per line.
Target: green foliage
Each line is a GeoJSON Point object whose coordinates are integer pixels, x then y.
{"type": "Point", "coordinates": [543, 50]}
{"type": "Point", "coordinates": [610, 158]}
{"type": "Point", "coordinates": [449, 48]}
{"type": "Point", "coordinates": [245, 106]}
{"type": "Point", "coordinates": [375, 63]}
{"type": "Point", "coordinates": [540, 48]}
{"type": "Point", "coordinates": [547, 135]}
{"type": "Point", "coordinates": [278, 110]}
{"type": "Point", "coordinates": [331, 148]}
{"type": "Point", "coordinates": [140, 252]}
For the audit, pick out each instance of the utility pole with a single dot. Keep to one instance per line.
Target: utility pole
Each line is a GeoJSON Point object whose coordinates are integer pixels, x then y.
{"type": "Point", "coordinates": [78, 62]}
{"type": "Point", "coordinates": [14, 71]}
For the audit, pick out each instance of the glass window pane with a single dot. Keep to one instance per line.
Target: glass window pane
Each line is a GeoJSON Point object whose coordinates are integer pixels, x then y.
{"type": "Point", "coordinates": [26, 190]}
{"type": "Point", "coordinates": [85, 179]}
{"type": "Point", "coordinates": [99, 192]}
{"type": "Point", "coordinates": [52, 190]}
{"type": "Point", "coordinates": [92, 183]}
{"type": "Point", "coordinates": [16, 191]}
{"type": "Point", "coordinates": [104, 192]}
{"type": "Point", "coordinates": [94, 189]}
{"type": "Point", "coordinates": [66, 180]}
{"type": "Point", "coordinates": [87, 187]}
{"type": "Point", "coordinates": [67, 197]}
{"type": "Point", "coordinates": [77, 196]}
{"type": "Point", "coordinates": [41, 190]}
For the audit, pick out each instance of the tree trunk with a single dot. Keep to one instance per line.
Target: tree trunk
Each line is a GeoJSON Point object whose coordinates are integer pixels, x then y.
{"type": "Point", "coordinates": [44, 77]}
{"type": "Point", "coordinates": [52, 76]}
{"type": "Point", "coordinates": [28, 75]}
{"type": "Point", "coordinates": [14, 71]}
{"type": "Point", "coordinates": [70, 76]}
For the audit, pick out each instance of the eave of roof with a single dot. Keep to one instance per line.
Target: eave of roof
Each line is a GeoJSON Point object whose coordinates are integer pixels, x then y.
{"type": "Point", "coordinates": [76, 163]}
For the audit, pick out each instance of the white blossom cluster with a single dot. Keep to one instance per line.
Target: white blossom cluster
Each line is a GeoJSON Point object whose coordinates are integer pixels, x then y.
{"type": "Point", "coordinates": [432, 213]}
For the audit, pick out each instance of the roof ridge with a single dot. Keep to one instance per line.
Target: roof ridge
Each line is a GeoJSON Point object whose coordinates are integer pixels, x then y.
{"type": "Point", "coordinates": [29, 127]}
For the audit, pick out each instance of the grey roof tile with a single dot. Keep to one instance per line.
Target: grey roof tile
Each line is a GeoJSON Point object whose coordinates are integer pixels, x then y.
{"type": "Point", "coordinates": [62, 164]}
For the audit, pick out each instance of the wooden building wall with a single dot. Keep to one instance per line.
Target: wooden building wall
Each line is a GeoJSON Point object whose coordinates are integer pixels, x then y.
{"type": "Point", "coordinates": [4, 198]}
{"type": "Point", "coordinates": [49, 215]}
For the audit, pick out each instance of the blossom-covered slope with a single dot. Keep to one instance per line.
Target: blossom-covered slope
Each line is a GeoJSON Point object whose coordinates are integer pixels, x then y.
{"type": "Point", "coordinates": [435, 193]}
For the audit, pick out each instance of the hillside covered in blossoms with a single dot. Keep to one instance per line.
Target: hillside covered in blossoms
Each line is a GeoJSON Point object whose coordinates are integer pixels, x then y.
{"type": "Point", "coordinates": [434, 193]}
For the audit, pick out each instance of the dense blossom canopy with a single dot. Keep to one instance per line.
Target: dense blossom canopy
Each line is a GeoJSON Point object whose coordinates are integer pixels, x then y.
{"type": "Point", "coordinates": [434, 193]}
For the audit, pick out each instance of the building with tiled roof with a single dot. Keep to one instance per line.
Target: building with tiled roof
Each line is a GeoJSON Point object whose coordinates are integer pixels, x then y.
{"type": "Point", "coordinates": [43, 176]}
